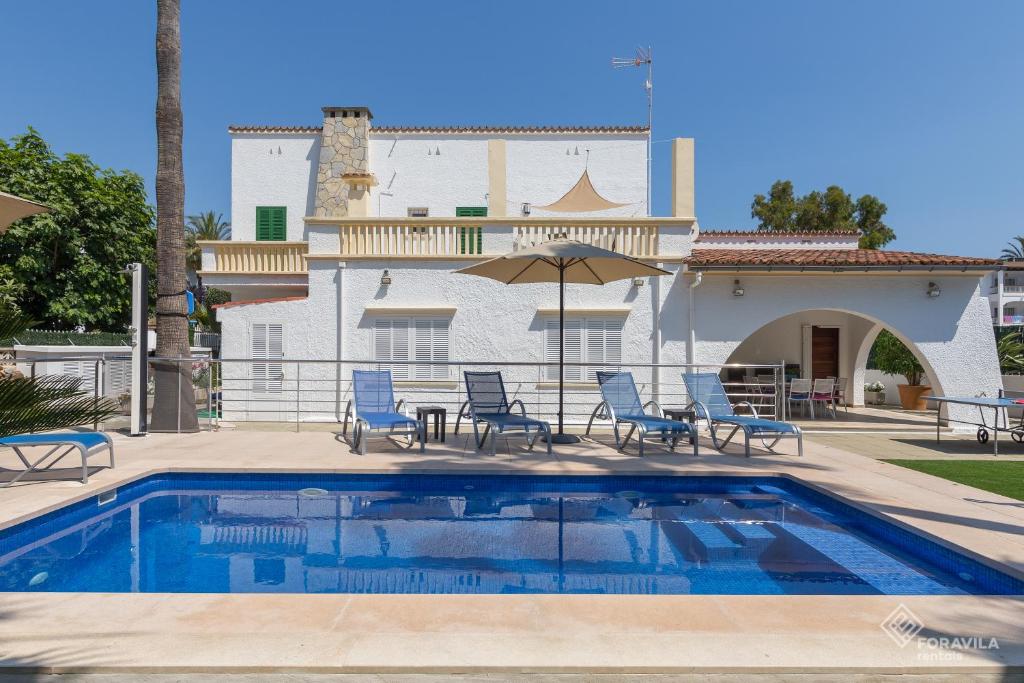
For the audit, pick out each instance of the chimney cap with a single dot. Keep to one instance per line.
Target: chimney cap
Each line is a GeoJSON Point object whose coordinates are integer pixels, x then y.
{"type": "Point", "coordinates": [363, 111]}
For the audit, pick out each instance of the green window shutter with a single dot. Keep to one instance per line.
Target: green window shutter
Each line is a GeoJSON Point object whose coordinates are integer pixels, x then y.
{"type": "Point", "coordinates": [471, 240]}
{"type": "Point", "coordinates": [271, 223]}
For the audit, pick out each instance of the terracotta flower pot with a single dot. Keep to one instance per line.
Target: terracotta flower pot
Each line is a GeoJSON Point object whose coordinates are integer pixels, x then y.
{"type": "Point", "coordinates": [912, 397]}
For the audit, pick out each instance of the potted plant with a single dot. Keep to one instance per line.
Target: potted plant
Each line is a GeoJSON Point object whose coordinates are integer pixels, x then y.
{"type": "Point", "coordinates": [874, 393]}
{"type": "Point", "coordinates": [893, 358]}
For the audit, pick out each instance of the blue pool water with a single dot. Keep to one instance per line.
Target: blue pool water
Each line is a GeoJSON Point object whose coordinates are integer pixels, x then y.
{"type": "Point", "coordinates": [498, 534]}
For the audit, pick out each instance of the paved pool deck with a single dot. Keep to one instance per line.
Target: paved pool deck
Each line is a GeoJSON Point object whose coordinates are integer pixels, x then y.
{"type": "Point", "coordinates": [460, 634]}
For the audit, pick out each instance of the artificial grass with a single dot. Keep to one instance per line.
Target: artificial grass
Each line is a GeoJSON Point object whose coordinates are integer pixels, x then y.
{"type": "Point", "coordinates": [1005, 478]}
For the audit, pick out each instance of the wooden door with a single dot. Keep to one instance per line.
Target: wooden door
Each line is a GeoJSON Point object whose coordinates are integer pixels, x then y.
{"type": "Point", "coordinates": [824, 352]}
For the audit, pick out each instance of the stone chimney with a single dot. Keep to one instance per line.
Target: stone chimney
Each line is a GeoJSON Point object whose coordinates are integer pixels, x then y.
{"type": "Point", "coordinates": [344, 159]}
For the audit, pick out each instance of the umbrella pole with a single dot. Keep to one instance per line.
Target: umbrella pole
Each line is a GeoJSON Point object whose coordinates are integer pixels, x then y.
{"type": "Point", "coordinates": [561, 436]}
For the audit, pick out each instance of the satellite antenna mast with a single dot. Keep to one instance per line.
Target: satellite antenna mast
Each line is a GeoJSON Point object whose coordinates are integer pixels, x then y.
{"type": "Point", "coordinates": [643, 57]}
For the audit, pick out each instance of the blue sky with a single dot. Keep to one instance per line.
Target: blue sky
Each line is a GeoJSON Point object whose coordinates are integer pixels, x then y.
{"type": "Point", "coordinates": [917, 102]}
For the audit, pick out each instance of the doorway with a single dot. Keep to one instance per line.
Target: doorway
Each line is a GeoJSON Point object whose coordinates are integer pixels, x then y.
{"type": "Point", "coordinates": [824, 352]}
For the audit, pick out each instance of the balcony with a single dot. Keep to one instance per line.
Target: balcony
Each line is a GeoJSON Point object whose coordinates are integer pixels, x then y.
{"type": "Point", "coordinates": [251, 258]}
{"type": "Point", "coordinates": [228, 262]}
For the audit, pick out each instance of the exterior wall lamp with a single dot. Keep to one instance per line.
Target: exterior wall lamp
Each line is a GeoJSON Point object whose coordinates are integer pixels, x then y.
{"type": "Point", "coordinates": [526, 208]}
{"type": "Point", "coordinates": [737, 288]}
{"type": "Point", "coordinates": [934, 290]}
{"type": "Point", "coordinates": [638, 282]}
{"type": "Point", "coordinates": [385, 279]}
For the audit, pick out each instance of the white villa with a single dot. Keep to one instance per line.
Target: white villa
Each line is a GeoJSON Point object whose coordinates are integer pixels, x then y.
{"type": "Point", "coordinates": [345, 236]}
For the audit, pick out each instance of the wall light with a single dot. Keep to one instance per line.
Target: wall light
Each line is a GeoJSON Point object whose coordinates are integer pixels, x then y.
{"type": "Point", "coordinates": [737, 289]}
{"type": "Point", "coordinates": [934, 290]}
{"type": "Point", "coordinates": [638, 282]}
{"type": "Point", "coordinates": [526, 208]}
{"type": "Point", "coordinates": [385, 279]}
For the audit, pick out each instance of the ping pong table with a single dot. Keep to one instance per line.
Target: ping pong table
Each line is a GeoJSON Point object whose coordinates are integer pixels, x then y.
{"type": "Point", "coordinates": [998, 406]}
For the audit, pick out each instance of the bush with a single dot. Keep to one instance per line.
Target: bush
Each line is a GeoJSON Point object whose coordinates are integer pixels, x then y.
{"type": "Point", "coordinates": [62, 338]}
{"type": "Point", "coordinates": [892, 357]}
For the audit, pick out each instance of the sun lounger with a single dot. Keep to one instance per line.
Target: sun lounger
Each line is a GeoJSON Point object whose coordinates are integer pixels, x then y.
{"type": "Point", "coordinates": [488, 404]}
{"type": "Point", "coordinates": [86, 443]}
{"type": "Point", "coordinates": [712, 404]}
{"type": "Point", "coordinates": [622, 404]}
{"type": "Point", "coordinates": [374, 408]}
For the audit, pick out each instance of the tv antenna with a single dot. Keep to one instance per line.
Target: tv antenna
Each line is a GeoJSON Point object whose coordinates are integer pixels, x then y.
{"type": "Point", "coordinates": [643, 57]}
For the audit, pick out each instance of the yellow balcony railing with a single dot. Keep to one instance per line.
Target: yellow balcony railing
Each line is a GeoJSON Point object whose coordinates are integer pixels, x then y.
{"type": "Point", "coordinates": [636, 240]}
{"type": "Point", "coordinates": [257, 257]}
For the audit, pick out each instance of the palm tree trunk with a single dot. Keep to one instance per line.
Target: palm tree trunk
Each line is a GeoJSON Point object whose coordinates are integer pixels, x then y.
{"type": "Point", "coordinates": [174, 406]}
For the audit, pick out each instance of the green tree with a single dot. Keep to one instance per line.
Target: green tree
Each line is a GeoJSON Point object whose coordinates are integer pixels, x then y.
{"type": "Point", "coordinates": [781, 210]}
{"type": "Point", "coordinates": [47, 402]}
{"type": "Point", "coordinates": [65, 268]}
{"type": "Point", "coordinates": [1010, 349]}
{"type": "Point", "coordinates": [1014, 249]}
{"type": "Point", "coordinates": [892, 357]}
{"type": "Point", "coordinates": [204, 226]}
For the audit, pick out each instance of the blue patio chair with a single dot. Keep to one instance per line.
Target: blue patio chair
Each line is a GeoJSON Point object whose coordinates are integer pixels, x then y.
{"type": "Point", "coordinates": [373, 407]}
{"type": "Point", "coordinates": [622, 404]}
{"type": "Point", "coordinates": [488, 404]}
{"type": "Point", "coordinates": [87, 444]}
{"type": "Point", "coordinates": [711, 403]}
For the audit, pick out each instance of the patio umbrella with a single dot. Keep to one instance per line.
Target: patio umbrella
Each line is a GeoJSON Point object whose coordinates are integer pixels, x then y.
{"type": "Point", "coordinates": [13, 208]}
{"type": "Point", "coordinates": [562, 260]}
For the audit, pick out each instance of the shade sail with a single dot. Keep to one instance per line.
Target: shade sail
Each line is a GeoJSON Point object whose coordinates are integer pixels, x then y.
{"type": "Point", "coordinates": [13, 208]}
{"type": "Point", "coordinates": [581, 198]}
{"type": "Point", "coordinates": [582, 264]}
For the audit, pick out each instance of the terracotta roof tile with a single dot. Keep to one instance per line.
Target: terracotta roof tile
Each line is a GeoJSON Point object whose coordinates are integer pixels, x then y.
{"type": "Point", "coordinates": [465, 130]}
{"type": "Point", "coordinates": [232, 304]}
{"type": "Point", "coordinates": [829, 258]}
{"type": "Point", "coordinates": [778, 234]}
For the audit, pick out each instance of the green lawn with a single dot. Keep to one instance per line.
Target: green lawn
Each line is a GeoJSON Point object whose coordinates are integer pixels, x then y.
{"type": "Point", "coordinates": [1004, 478]}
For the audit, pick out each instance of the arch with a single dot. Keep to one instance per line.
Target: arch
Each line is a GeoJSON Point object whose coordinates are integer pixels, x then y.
{"type": "Point", "coordinates": [860, 346]}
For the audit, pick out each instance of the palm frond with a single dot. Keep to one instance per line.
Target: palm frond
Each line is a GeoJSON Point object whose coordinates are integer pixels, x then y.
{"type": "Point", "coordinates": [47, 403]}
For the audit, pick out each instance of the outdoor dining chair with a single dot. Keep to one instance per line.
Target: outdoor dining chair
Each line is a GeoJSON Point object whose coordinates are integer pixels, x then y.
{"type": "Point", "coordinates": [621, 403]}
{"type": "Point", "coordinates": [839, 395]}
{"type": "Point", "coordinates": [800, 394]}
{"type": "Point", "coordinates": [822, 393]}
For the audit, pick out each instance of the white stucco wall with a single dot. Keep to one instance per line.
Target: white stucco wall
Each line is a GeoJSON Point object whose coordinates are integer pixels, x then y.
{"type": "Point", "coordinates": [540, 171]}
{"type": "Point", "coordinates": [272, 170]}
{"type": "Point", "coordinates": [952, 332]}
{"type": "Point", "coordinates": [409, 177]}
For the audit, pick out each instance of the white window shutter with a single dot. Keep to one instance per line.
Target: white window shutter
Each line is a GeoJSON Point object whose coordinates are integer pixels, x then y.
{"type": "Point", "coordinates": [573, 349]}
{"type": "Point", "coordinates": [423, 348]}
{"type": "Point", "coordinates": [267, 344]}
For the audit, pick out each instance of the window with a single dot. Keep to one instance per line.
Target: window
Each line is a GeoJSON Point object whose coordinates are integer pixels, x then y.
{"type": "Point", "coordinates": [418, 212]}
{"type": "Point", "coordinates": [419, 339]}
{"type": "Point", "coordinates": [267, 346]}
{"type": "Point", "coordinates": [595, 341]}
{"type": "Point", "coordinates": [471, 239]}
{"type": "Point", "coordinates": [271, 223]}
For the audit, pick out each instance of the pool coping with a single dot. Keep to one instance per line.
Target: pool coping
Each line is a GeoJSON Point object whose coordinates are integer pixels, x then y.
{"type": "Point", "coordinates": [351, 633]}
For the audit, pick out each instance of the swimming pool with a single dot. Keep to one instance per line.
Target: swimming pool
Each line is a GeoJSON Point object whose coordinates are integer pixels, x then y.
{"type": "Point", "coordinates": [290, 533]}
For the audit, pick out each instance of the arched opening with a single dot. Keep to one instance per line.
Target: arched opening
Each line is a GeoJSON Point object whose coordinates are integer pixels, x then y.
{"type": "Point", "coordinates": [827, 343]}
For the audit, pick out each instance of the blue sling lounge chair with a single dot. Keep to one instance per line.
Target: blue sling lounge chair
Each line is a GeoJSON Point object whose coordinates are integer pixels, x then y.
{"type": "Point", "coordinates": [375, 408]}
{"type": "Point", "coordinates": [87, 444]}
{"type": "Point", "coordinates": [712, 404]}
{"type": "Point", "coordinates": [488, 403]}
{"type": "Point", "coordinates": [622, 404]}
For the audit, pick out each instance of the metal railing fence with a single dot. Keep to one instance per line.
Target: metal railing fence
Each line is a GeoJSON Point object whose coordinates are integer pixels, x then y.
{"type": "Point", "coordinates": [312, 390]}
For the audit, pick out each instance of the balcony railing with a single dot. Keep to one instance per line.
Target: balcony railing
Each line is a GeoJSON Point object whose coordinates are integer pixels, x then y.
{"type": "Point", "coordinates": [444, 238]}
{"type": "Point", "coordinates": [468, 237]}
{"type": "Point", "coordinates": [257, 257]}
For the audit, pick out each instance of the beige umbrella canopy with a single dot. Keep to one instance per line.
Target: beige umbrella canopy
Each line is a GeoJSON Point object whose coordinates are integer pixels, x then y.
{"type": "Point", "coordinates": [13, 208]}
{"type": "Point", "coordinates": [562, 260]}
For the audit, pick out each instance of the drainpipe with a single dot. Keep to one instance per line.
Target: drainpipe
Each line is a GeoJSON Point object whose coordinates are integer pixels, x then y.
{"type": "Point", "coordinates": [691, 340]}
{"type": "Point", "coordinates": [339, 335]}
{"type": "Point", "coordinates": [656, 336]}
